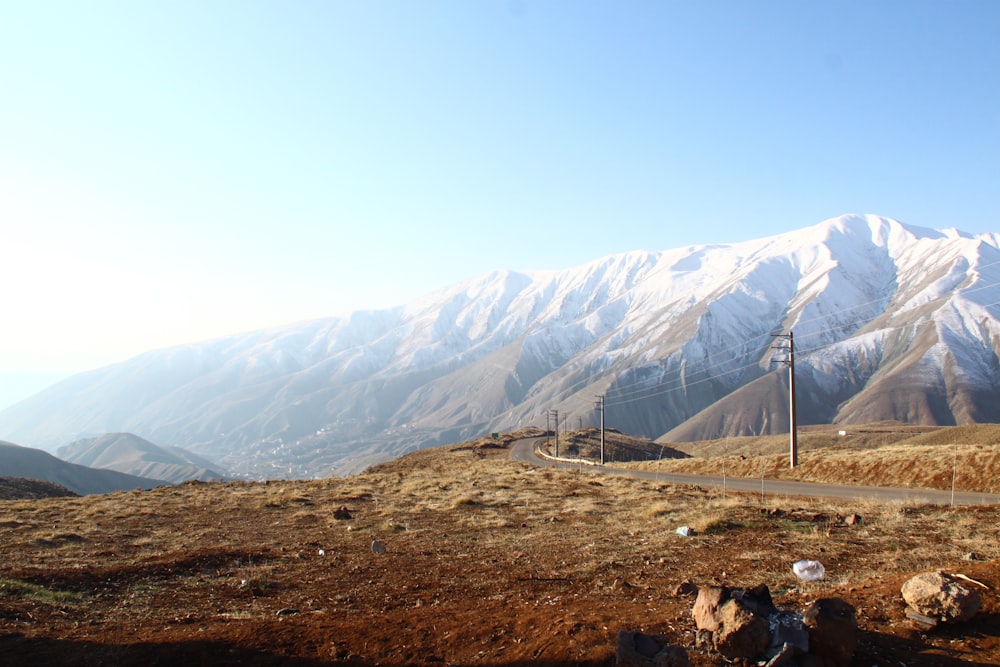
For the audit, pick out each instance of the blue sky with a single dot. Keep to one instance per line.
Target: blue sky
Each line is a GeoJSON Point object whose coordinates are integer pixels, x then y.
{"type": "Point", "coordinates": [176, 171]}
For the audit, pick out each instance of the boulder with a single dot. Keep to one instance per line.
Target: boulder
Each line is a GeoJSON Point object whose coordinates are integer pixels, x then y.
{"type": "Point", "coordinates": [742, 633]}
{"type": "Point", "coordinates": [734, 620]}
{"type": "Point", "coordinates": [941, 596]}
{"type": "Point", "coordinates": [711, 598]}
{"type": "Point", "coordinates": [636, 649]}
{"type": "Point", "coordinates": [706, 606]}
{"type": "Point", "coordinates": [745, 624]}
{"type": "Point", "coordinates": [833, 632]}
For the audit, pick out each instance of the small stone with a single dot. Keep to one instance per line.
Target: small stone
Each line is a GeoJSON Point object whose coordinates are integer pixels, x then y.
{"type": "Point", "coordinates": [685, 588]}
{"type": "Point", "coordinates": [377, 547]}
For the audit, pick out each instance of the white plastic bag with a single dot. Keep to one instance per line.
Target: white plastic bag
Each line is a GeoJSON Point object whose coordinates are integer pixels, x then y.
{"type": "Point", "coordinates": [809, 570]}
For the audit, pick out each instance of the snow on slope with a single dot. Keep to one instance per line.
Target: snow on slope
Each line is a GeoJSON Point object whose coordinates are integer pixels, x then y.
{"type": "Point", "coordinates": [875, 305]}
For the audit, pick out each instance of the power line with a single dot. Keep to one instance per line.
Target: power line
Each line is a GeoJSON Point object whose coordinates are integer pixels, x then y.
{"type": "Point", "coordinates": [681, 384]}
{"type": "Point", "coordinates": [671, 389]}
{"type": "Point", "coordinates": [586, 380]}
{"type": "Point", "coordinates": [652, 392]}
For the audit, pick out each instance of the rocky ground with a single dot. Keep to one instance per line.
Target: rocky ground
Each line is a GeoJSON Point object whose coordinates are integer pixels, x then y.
{"type": "Point", "coordinates": [485, 562]}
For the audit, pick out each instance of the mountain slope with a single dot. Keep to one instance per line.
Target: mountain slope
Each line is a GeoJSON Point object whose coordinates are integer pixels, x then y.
{"type": "Point", "coordinates": [23, 488]}
{"type": "Point", "coordinates": [890, 322]}
{"type": "Point", "coordinates": [17, 461]}
{"type": "Point", "coordinates": [133, 455]}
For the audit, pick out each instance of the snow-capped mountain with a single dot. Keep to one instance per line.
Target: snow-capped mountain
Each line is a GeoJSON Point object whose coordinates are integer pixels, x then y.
{"type": "Point", "coordinates": [889, 321]}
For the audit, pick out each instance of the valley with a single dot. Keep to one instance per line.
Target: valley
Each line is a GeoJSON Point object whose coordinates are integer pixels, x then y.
{"type": "Point", "coordinates": [891, 323]}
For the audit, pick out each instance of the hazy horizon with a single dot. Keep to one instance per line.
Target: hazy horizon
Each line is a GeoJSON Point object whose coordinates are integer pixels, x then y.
{"type": "Point", "coordinates": [175, 173]}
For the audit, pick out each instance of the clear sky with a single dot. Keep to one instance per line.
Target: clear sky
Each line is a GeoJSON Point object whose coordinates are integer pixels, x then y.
{"type": "Point", "coordinates": [176, 171]}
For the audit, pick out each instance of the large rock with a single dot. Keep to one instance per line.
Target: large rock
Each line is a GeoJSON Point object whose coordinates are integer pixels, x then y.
{"type": "Point", "coordinates": [711, 598]}
{"type": "Point", "coordinates": [706, 606]}
{"type": "Point", "coordinates": [742, 633]}
{"type": "Point", "coordinates": [736, 620]}
{"type": "Point", "coordinates": [746, 624]}
{"type": "Point", "coordinates": [636, 649]}
{"type": "Point", "coordinates": [942, 597]}
{"type": "Point", "coordinates": [833, 632]}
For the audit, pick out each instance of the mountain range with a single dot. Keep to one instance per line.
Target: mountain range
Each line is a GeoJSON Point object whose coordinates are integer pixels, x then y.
{"type": "Point", "coordinates": [33, 464]}
{"type": "Point", "coordinates": [130, 454]}
{"type": "Point", "coordinates": [886, 321]}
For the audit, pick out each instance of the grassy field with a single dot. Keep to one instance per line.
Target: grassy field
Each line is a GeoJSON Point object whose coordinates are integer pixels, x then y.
{"type": "Point", "coordinates": [875, 455]}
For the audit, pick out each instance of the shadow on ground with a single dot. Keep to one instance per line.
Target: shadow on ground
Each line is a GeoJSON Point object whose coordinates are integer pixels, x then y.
{"type": "Point", "coordinates": [931, 650]}
{"type": "Point", "coordinates": [20, 651]}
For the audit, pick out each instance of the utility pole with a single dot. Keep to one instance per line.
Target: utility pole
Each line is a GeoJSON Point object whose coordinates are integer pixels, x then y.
{"type": "Point", "coordinates": [793, 431]}
{"type": "Point", "coordinates": [599, 406]}
{"type": "Point", "coordinates": [555, 418]}
{"type": "Point", "coordinates": [793, 437]}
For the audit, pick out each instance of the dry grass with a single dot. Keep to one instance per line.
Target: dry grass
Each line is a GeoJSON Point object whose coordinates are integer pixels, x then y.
{"type": "Point", "coordinates": [478, 546]}
{"type": "Point", "coordinates": [13, 588]}
{"type": "Point", "coordinates": [911, 457]}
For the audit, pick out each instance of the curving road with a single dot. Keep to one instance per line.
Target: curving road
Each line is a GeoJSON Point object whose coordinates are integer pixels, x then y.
{"type": "Point", "coordinates": [524, 451]}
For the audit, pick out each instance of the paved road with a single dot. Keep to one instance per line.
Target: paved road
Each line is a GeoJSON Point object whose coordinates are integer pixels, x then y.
{"type": "Point", "coordinates": [524, 451]}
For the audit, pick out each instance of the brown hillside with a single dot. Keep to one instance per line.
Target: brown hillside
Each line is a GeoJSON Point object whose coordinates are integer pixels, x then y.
{"type": "Point", "coordinates": [883, 454]}
{"type": "Point", "coordinates": [586, 443]}
{"type": "Point", "coordinates": [14, 488]}
{"type": "Point", "coordinates": [486, 562]}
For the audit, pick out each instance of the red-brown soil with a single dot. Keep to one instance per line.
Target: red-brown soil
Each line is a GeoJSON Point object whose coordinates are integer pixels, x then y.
{"type": "Point", "coordinates": [12, 488]}
{"type": "Point", "coordinates": [487, 562]}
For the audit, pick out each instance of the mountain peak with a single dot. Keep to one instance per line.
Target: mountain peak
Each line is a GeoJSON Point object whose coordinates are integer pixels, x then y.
{"type": "Point", "coordinates": [891, 322]}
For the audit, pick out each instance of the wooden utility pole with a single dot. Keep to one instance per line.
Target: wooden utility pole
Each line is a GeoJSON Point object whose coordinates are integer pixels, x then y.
{"type": "Point", "coordinates": [555, 418]}
{"type": "Point", "coordinates": [599, 406]}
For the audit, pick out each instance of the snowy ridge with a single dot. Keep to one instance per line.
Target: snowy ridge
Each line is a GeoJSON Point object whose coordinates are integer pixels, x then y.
{"type": "Point", "coordinates": [890, 322]}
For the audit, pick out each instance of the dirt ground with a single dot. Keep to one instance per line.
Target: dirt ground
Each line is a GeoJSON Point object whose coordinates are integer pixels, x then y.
{"type": "Point", "coordinates": [486, 562]}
